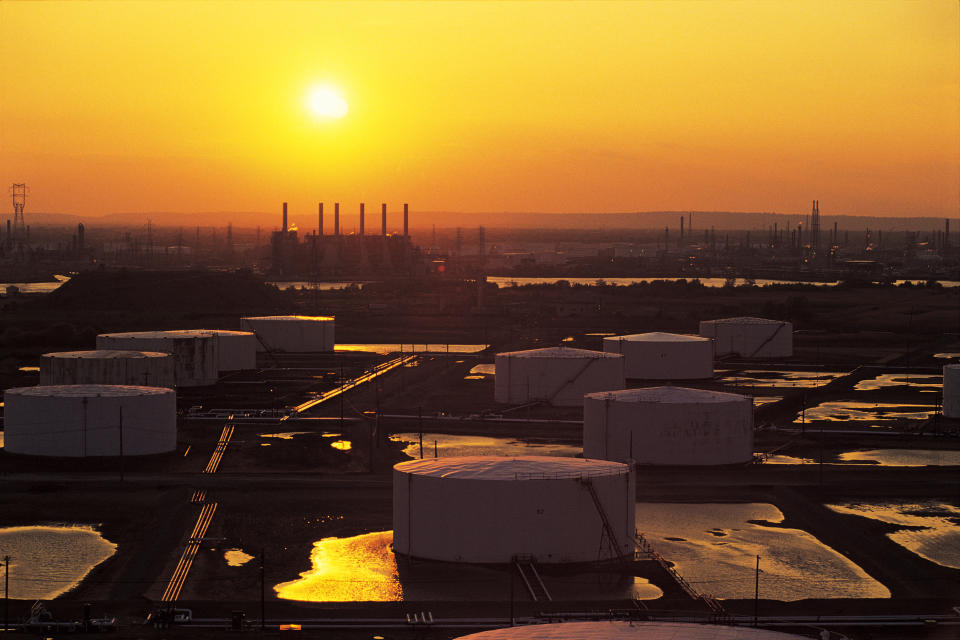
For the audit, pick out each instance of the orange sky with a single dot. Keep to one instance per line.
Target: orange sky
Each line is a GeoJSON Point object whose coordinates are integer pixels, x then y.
{"type": "Point", "coordinates": [488, 106]}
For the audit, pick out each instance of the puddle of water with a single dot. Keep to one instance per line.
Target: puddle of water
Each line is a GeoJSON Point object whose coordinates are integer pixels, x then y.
{"type": "Point", "coordinates": [46, 561]}
{"type": "Point", "coordinates": [361, 568]}
{"type": "Point", "coordinates": [286, 435]}
{"type": "Point", "coordinates": [926, 384]}
{"type": "Point", "coordinates": [488, 369]}
{"type": "Point", "coordinates": [939, 538]}
{"type": "Point", "coordinates": [342, 445]}
{"type": "Point", "coordinates": [567, 339]}
{"type": "Point", "coordinates": [782, 459]}
{"type": "Point", "coordinates": [903, 457]}
{"type": "Point", "coordinates": [946, 356]}
{"type": "Point", "coordinates": [602, 335]}
{"type": "Point", "coordinates": [264, 444]}
{"type": "Point", "coordinates": [29, 369]}
{"type": "Point", "coordinates": [714, 546]}
{"type": "Point", "coordinates": [450, 445]}
{"type": "Point", "coordinates": [331, 434]}
{"type": "Point", "coordinates": [474, 377]}
{"type": "Point", "coordinates": [36, 287]}
{"type": "Point", "coordinates": [384, 349]}
{"type": "Point", "coordinates": [782, 379]}
{"type": "Point", "coordinates": [236, 557]}
{"type": "Point", "coordinates": [866, 411]}
{"type": "Point", "coordinates": [759, 401]}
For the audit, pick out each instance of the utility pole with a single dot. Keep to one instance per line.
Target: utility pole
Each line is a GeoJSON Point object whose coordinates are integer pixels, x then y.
{"type": "Point", "coordinates": [121, 444]}
{"type": "Point", "coordinates": [263, 597]}
{"type": "Point", "coordinates": [6, 593]}
{"type": "Point", "coordinates": [756, 593]}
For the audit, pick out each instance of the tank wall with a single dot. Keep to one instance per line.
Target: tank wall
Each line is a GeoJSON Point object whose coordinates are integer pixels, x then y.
{"type": "Point", "coordinates": [750, 340]}
{"type": "Point", "coordinates": [559, 381]}
{"type": "Point", "coordinates": [650, 360]}
{"type": "Point", "coordinates": [951, 391]}
{"type": "Point", "coordinates": [63, 426]}
{"type": "Point", "coordinates": [492, 521]}
{"type": "Point", "coordinates": [291, 335]}
{"type": "Point", "coordinates": [668, 434]}
{"type": "Point", "coordinates": [237, 352]}
{"type": "Point", "coordinates": [196, 357]}
{"type": "Point", "coordinates": [147, 372]}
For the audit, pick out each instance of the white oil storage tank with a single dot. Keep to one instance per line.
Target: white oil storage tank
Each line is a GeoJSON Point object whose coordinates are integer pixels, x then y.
{"type": "Point", "coordinates": [557, 375]}
{"type": "Point", "coordinates": [750, 337]}
{"type": "Point", "coordinates": [629, 630]}
{"type": "Point", "coordinates": [293, 334]}
{"type": "Point", "coordinates": [668, 426]}
{"type": "Point", "coordinates": [106, 366]}
{"type": "Point", "coordinates": [488, 509]}
{"type": "Point", "coordinates": [236, 350]}
{"type": "Point", "coordinates": [951, 391]}
{"type": "Point", "coordinates": [663, 356]}
{"type": "Point", "coordinates": [195, 352]}
{"type": "Point", "coordinates": [78, 421]}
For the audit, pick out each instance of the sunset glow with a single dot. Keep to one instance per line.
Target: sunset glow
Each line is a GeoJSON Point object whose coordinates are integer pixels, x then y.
{"type": "Point", "coordinates": [527, 106]}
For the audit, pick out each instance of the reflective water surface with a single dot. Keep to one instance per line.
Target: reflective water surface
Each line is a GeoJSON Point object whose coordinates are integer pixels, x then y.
{"type": "Point", "coordinates": [46, 561]}
{"type": "Point", "coordinates": [903, 457]}
{"type": "Point", "coordinates": [840, 411]}
{"type": "Point", "coordinates": [384, 348]}
{"type": "Point", "coordinates": [509, 281]}
{"type": "Point", "coordinates": [361, 568]}
{"type": "Point", "coordinates": [714, 546]}
{"type": "Point", "coordinates": [936, 526]}
{"type": "Point", "coordinates": [488, 369]}
{"type": "Point", "coordinates": [782, 379]}
{"type": "Point", "coordinates": [236, 557]}
{"type": "Point", "coordinates": [451, 445]}
{"type": "Point", "coordinates": [926, 384]}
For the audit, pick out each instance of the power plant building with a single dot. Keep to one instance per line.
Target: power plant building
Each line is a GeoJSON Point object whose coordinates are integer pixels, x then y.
{"type": "Point", "coordinates": [292, 334]}
{"type": "Point", "coordinates": [489, 509]}
{"type": "Point", "coordinates": [557, 375]}
{"type": "Point", "coordinates": [663, 356]}
{"type": "Point", "coordinates": [106, 366]}
{"type": "Point", "coordinates": [749, 337]}
{"type": "Point", "coordinates": [195, 352]}
{"type": "Point", "coordinates": [668, 426]}
{"type": "Point", "coordinates": [80, 421]}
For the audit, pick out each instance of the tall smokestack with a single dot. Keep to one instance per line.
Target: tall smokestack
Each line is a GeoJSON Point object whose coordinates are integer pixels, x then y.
{"type": "Point", "coordinates": [383, 219]}
{"type": "Point", "coordinates": [406, 220]}
{"type": "Point", "coordinates": [361, 219]}
{"type": "Point", "coordinates": [681, 227]}
{"type": "Point", "coordinates": [946, 232]}
{"type": "Point", "coordinates": [284, 217]}
{"type": "Point", "coordinates": [336, 218]}
{"type": "Point", "coordinates": [320, 220]}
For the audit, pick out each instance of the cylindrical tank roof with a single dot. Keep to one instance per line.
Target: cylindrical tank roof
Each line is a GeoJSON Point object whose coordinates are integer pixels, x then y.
{"type": "Point", "coordinates": [658, 336]}
{"type": "Point", "coordinates": [559, 352]}
{"type": "Point", "coordinates": [668, 395]}
{"type": "Point", "coordinates": [747, 320]}
{"type": "Point", "coordinates": [623, 630]}
{"type": "Point", "coordinates": [511, 468]}
{"type": "Point", "coordinates": [105, 354]}
{"type": "Point", "coordinates": [152, 335]}
{"type": "Point", "coordinates": [292, 318]}
{"type": "Point", "coordinates": [88, 391]}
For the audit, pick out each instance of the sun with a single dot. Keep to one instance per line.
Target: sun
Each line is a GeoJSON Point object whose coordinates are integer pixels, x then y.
{"type": "Point", "coordinates": [326, 102]}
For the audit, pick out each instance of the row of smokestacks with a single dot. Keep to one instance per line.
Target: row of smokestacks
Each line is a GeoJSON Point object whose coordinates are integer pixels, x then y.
{"type": "Point", "coordinates": [336, 219]}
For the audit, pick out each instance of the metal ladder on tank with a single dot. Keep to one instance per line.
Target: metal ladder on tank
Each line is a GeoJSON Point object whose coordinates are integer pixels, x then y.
{"type": "Point", "coordinates": [527, 568]}
{"type": "Point", "coordinates": [607, 527]}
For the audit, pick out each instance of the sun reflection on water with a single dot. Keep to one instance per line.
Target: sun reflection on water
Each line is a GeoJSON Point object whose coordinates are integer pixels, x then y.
{"type": "Point", "coordinates": [360, 568]}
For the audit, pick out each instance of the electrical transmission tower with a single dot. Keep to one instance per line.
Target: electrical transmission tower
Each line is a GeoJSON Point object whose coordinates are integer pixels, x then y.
{"type": "Point", "coordinates": [19, 194]}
